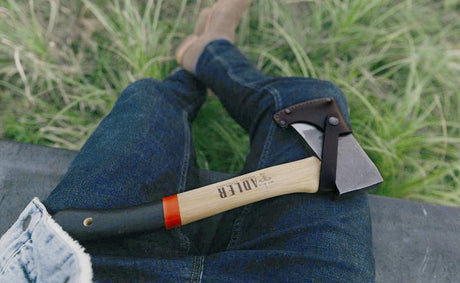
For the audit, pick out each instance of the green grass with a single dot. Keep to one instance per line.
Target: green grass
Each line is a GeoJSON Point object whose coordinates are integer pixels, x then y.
{"type": "Point", "coordinates": [63, 63]}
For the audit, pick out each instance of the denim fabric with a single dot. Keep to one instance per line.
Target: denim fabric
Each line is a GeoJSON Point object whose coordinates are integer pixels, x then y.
{"type": "Point", "coordinates": [36, 249]}
{"type": "Point", "coordinates": [143, 151]}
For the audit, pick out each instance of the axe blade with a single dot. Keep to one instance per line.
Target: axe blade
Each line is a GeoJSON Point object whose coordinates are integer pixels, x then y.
{"type": "Point", "coordinates": [355, 170]}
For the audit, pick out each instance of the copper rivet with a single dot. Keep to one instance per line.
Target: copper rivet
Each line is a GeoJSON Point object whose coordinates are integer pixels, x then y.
{"type": "Point", "coordinates": [283, 123]}
{"type": "Point", "coordinates": [287, 111]}
{"type": "Point", "coordinates": [333, 121]}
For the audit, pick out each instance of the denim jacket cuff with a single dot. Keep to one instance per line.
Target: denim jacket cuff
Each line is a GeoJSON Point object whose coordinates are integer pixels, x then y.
{"type": "Point", "coordinates": [37, 249]}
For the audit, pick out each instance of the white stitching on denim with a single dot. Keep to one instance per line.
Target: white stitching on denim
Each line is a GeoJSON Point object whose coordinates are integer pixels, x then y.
{"type": "Point", "coordinates": [198, 266]}
{"type": "Point", "coordinates": [193, 269]}
{"type": "Point", "coordinates": [199, 279]}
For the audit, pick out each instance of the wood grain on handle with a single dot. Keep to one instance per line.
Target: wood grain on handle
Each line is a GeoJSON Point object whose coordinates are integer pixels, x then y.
{"type": "Point", "coordinates": [294, 177]}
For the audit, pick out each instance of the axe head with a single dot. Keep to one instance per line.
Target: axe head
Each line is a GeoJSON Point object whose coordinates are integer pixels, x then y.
{"type": "Point", "coordinates": [355, 170]}
{"type": "Point", "coordinates": [323, 127]}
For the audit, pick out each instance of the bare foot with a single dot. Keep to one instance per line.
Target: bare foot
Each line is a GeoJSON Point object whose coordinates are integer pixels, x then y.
{"type": "Point", "coordinates": [218, 22]}
{"type": "Point", "coordinates": [199, 30]}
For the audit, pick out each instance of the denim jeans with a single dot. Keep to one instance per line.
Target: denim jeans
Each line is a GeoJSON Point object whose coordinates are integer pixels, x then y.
{"type": "Point", "coordinates": [143, 151]}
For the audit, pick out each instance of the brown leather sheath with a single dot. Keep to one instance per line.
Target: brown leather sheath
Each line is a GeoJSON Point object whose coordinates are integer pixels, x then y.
{"type": "Point", "coordinates": [326, 116]}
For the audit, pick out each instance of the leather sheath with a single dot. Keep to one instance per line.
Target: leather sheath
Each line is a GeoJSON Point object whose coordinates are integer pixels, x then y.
{"type": "Point", "coordinates": [325, 114]}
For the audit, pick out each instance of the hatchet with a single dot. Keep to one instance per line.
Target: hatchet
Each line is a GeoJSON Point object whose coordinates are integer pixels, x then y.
{"type": "Point", "coordinates": [344, 168]}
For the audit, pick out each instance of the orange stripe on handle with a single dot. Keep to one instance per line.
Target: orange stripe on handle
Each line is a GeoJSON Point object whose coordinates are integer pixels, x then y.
{"type": "Point", "coordinates": [171, 212]}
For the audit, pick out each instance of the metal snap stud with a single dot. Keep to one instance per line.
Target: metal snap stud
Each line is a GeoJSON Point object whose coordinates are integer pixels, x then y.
{"type": "Point", "coordinates": [334, 121]}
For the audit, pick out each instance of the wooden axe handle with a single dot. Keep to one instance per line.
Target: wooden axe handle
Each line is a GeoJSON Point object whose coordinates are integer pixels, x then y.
{"type": "Point", "coordinates": [300, 176]}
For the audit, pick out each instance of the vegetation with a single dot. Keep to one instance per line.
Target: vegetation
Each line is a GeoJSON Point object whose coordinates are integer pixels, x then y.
{"type": "Point", "coordinates": [63, 63]}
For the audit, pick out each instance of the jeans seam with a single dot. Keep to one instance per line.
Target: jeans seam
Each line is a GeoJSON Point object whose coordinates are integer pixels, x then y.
{"type": "Point", "coordinates": [186, 159]}
{"type": "Point", "coordinates": [197, 269]}
{"type": "Point", "coordinates": [229, 71]}
{"type": "Point", "coordinates": [10, 258]}
{"type": "Point", "coordinates": [185, 241]}
{"type": "Point", "coordinates": [30, 229]}
{"type": "Point", "coordinates": [192, 275]}
{"type": "Point", "coordinates": [201, 269]}
{"type": "Point", "coordinates": [278, 102]}
{"type": "Point", "coordinates": [237, 229]}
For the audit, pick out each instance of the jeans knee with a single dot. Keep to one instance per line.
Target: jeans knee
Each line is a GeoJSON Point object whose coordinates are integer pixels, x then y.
{"type": "Point", "coordinates": [332, 90]}
{"type": "Point", "coordinates": [291, 91]}
{"type": "Point", "coordinates": [140, 89]}
{"type": "Point", "coordinates": [141, 85]}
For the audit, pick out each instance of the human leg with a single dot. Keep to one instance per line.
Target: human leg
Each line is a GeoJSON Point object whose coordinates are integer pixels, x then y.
{"type": "Point", "coordinates": [301, 236]}
{"type": "Point", "coordinates": [144, 142]}
{"type": "Point", "coordinates": [141, 152]}
{"type": "Point", "coordinates": [330, 239]}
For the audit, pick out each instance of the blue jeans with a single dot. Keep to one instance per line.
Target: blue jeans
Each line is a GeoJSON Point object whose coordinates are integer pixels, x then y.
{"type": "Point", "coordinates": [143, 151]}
